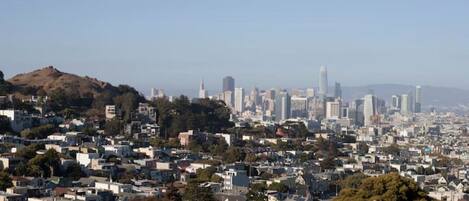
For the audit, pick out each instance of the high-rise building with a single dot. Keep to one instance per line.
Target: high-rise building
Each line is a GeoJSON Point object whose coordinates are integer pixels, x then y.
{"type": "Point", "coordinates": [418, 99]}
{"type": "Point", "coordinates": [405, 104]}
{"type": "Point", "coordinates": [228, 98]}
{"type": "Point", "coordinates": [323, 83]}
{"type": "Point", "coordinates": [156, 93]}
{"type": "Point", "coordinates": [228, 84]}
{"type": "Point", "coordinates": [255, 99]}
{"type": "Point", "coordinates": [310, 92]}
{"type": "Point", "coordinates": [369, 109]}
{"type": "Point", "coordinates": [337, 90]}
{"type": "Point", "coordinates": [282, 106]}
{"type": "Point", "coordinates": [344, 112]}
{"type": "Point", "coordinates": [356, 112]}
{"type": "Point", "coordinates": [298, 92]}
{"type": "Point", "coordinates": [239, 100]}
{"type": "Point", "coordinates": [299, 107]}
{"type": "Point", "coordinates": [396, 102]}
{"type": "Point", "coordinates": [333, 109]}
{"type": "Point", "coordinates": [202, 92]}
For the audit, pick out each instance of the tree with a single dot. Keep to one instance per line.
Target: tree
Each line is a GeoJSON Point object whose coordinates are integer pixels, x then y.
{"type": "Point", "coordinates": [181, 115]}
{"type": "Point", "coordinates": [5, 87]}
{"type": "Point", "coordinates": [127, 103]}
{"type": "Point", "coordinates": [353, 181]}
{"type": "Point", "coordinates": [29, 151]}
{"type": "Point", "coordinates": [113, 127]}
{"type": "Point", "coordinates": [74, 171]}
{"type": "Point", "coordinates": [279, 187]}
{"type": "Point", "coordinates": [172, 194]}
{"type": "Point", "coordinates": [219, 147]}
{"type": "Point", "coordinates": [204, 175]}
{"type": "Point", "coordinates": [46, 165]}
{"type": "Point", "coordinates": [392, 150]}
{"type": "Point", "coordinates": [362, 148]}
{"type": "Point", "coordinates": [234, 154]}
{"type": "Point", "coordinates": [328, 163]}
{"type": "Point", "coordinates": [5, 125]}
{"type": "Point", "coordinates": [385, 187]}
{"type": "Point", "coordinates": [5, 181]}
{"type": "Point", "coordinates": [251, 158]}
{"type": "Point", "coordinates": [39, 132]}
{"type": "Point", "coordinates": [194, 192]}
{"type": "Point", "coordinates": [257, 192]}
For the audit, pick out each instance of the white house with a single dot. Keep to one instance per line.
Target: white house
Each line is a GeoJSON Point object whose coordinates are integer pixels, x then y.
{"type": "Point", "coordinates": [115, 188]}
{"type": "Point", "coordinates": [85, 158]}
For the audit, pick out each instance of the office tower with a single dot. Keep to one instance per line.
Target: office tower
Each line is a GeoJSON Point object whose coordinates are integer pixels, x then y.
{"type": "Point", "coordinates": [299, 107]}
{"type": "Point", "coordinates": [380, 106]}
{"type": "Point", "coordinates": [156, 93]}
{"type": "Point", "coordinates": [396, 102]}
{"type": "Point", "coordinates": [356, 112]}
{"type": "Point", "coordinates": [228, 84]}
{"type": "Point", "coordinates": [228, 98]}
{"type": "Point", "coordinates": [323, 83]}
{"type": "Point", "coordinates": [270, 94]}
{"type": "Point", "coordinates": [405, 104]}
{"type": "Point", "coordinates": [255, 99]}
{"type": "Point", "coordinates": [333, 109]}
{"type": "Point", "coordinates": [202, 92]}
{"type": "Point", "coordinates": [418, 99]}
{"type": "Point", "coordinates": [310, 92]}
{"type": "Point", "coordinates": [239, 100]}
{"type": "Point", "coordinates": [337, 90]}
{"type": "Point", "coordinates": [298, 92]}
{"type": "Point", "coordinates": [344, 112]}
{"type": "Point", "coordinates": [282, 106]}
{"type": "Point", "coordinates": [369, 109]}
{"type": "Point", "coordinates": [316, 108]}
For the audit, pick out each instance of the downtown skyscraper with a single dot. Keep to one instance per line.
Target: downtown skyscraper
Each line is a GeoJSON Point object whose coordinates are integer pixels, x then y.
{"type": "Point", "coordinates": [323, 82]}
{"type": "Point", "coordinates": [239, 100]}
{"type": "Point", "coordinates": [228, 84]}
{"type": "Point", "coordinates": [418, 99]}
{"type": "Point", "coordinates": [369, 109]}
{"type": "Point", "coordinates": [202, 92]}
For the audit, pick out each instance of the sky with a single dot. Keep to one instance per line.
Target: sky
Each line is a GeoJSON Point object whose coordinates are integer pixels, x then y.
{"type": "Point", "coordinates": [173, 44]}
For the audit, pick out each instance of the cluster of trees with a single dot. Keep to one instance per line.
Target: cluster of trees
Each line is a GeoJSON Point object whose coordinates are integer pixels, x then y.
{"type": "Point", "coordinates": [69, 102]}
{"type": "Point", "coordinates": [176, 116]}
{"type": "Point", "coordinates": [295, 129]}
{"type": "Point", "coordinates": [5, 125]}
{"type": "Point", "coordinates": [39, 132]}
{"type": "Point", "coordinates": [5, 87]}
{"type": "Point", "coordinates": [5, 181]}
{"type": "Point", "coordinates": [43, 165]}
{"type": "Point", "coordinates": [327, 151]}
{"type": "Point", "coordinates": [182, 115]}
{"type": "Point", "coordinates": [386, 187]}
{"type": "Point", "coordinates": [192, 192]}
{"type": "Point", "coordinates": [392, 149]}
{"type": "Point", "coordinates": [257, 191]}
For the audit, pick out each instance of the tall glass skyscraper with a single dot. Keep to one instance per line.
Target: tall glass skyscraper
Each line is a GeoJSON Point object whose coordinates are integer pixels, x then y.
{"type": "Point", "coordinates": [228, 84]}
{"type": "Point", "coordinates": [369, 109]}
{"type": "Point", "coordinates": [418, 99]}
{"type": "Point", "coordinates": [323, 83]}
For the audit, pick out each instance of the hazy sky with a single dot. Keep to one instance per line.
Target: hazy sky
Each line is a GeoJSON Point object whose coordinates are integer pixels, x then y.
{"type": "Point", "coordinates": [173, 44]}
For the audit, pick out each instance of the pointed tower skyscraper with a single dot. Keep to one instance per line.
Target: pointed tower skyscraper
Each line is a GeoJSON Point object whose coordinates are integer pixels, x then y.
{"type": "Point", "coordinates": [202, 92]}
